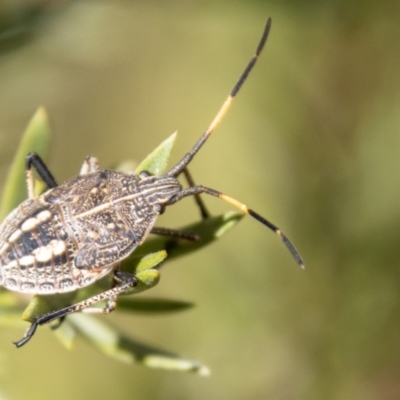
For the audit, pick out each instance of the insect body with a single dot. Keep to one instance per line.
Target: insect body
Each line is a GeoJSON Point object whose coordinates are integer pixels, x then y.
{"type": "Point", "coordinates": [79, 231]}
{"type": "Point", "coordinates": [74, 234]}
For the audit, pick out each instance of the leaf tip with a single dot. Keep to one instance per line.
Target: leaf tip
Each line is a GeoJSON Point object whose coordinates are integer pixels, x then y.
{"type": "Point", "coordinates": [230, 219]}
{"type": "Point", "coordinates": [204, 371]}
{"type": "Point", "coordinates": [40, 115]}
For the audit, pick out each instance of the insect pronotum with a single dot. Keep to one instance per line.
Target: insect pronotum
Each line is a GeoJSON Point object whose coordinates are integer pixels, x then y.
{"type": "Point", "coordinates": [77, 232]}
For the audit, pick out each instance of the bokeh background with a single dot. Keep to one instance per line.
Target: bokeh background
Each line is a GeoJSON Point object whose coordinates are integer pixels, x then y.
{"type": "Point", "coordinates": [312, 142]}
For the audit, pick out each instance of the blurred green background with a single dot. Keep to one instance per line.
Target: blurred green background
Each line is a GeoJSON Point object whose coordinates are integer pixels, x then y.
{"type": "Point", "coordinates": [312, 142]}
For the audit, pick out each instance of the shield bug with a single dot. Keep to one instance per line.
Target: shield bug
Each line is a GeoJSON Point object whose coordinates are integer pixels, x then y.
{"type": "Point", "coordinates": [77, 232]}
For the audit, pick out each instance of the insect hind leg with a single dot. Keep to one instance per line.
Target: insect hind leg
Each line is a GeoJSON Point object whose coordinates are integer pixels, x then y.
{"type": "Point", "coordinates": [126, 281]}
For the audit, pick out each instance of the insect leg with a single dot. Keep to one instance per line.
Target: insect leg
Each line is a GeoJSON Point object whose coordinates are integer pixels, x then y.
{"type": "Point", "coordinates": [126, 280]}
{"type": "Point", "coordinates": [174, 233]}
{"type": "Point", "coordinates": [58, 323]}
{"type": "Point", "coordinates": [184, 234]}
{"type": "Point", "coordinates": [34, 160]}
{"type": "Point", "coordinates": [118, 278]}
{"type": "Point", "coordinates": [199, 201]}
{"type": "Point", "coordinates": [236, 203]}
{"type": "Point", "coordinates": [89, 165]}
{"type": "Point", "coordinates": [178, 168]}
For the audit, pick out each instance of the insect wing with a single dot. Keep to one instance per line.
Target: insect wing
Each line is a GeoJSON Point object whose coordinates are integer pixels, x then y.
{"type": "Point", "coordinates": [102, 209]}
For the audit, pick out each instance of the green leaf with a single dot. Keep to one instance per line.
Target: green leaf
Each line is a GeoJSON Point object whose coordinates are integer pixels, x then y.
{"type": "Point", "coordinates": [146, 280]}
{"type": "Point", "coordinates": [151, 305]}
{"type": "Point", "coordinates": [40, 305]}
{"type": "Point", "coordinates": [208, 229]}
{"type": "Point", "coordinates": [175, 364]}
{"type": "Point", "coordinates": [135, 264]}
{"type": "Point", "coordinates": [140, 264]}
{"type": "Point", "coordinates": [35, 138]}
{"type": "Point", "coordinates": [157, 160]}
{"type": "Point", "coordinates": [105, 338]}
{"type": "Point", "coordinates": [66, 334]}
{"type": "Point", "coordinates": [118, 346]}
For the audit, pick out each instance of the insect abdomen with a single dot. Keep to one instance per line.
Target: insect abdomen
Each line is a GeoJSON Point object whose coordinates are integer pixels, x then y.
{"type": "Point", "coordinates": [36, 252]}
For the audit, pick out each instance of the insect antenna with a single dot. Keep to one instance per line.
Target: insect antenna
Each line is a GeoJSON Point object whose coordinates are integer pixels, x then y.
{"type": "Point", "coordinates": [178, 168]}
{"type": "Point", "coordinates": [191, 191]}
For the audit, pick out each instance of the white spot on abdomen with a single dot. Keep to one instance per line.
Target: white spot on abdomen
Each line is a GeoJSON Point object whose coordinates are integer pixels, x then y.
{"type": "Point", "coordinates": [15, 235]}
{"type": "Point", "coordinates": [58, 247]}
{"type": "Point", "coordinates": [26, 260]}
{"type": "Point", "coordinates": [29, 224]}
{"type": "Point", "coordinates": [44, 215]}
{"type": "Point", "coordinates": [4, 248]}
{"type": "Point", "coordinates": [44, 253]}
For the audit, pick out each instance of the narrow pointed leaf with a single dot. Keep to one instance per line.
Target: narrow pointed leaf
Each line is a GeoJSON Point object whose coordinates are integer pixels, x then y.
{"type": "Point", "coordinates": [66, 334]}
{"type": "Point", "coordinates": [176, 364]}
{"type": "Point", "coordinates": [35, 138]}
{"type": "Point", "coordinates": [120, 347]}
{"type": "Point", "coordinates": [102, 336]}
{"type": "Point", "coordinates": [151, 305]}
{"type": "Point", "coordinates": [157, 160]}
{"type": "Point", "coordinates": [209, 229]}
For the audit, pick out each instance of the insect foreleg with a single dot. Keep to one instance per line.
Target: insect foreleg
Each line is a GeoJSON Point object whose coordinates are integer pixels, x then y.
{"type": "Point", "coordinates": [197, 198]}
{"type": "Point", "coordinates": [34, 160]}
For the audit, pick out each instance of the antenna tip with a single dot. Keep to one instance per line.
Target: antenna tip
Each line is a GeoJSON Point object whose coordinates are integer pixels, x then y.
{"type": "Point", "coordinates": [291, 248]}
{"type": "Point", "coordinates": [268, 25]}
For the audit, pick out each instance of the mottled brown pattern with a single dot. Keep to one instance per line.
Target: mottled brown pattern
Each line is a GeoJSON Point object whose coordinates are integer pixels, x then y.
{"type": "Point", "coordinates": [76, 233]}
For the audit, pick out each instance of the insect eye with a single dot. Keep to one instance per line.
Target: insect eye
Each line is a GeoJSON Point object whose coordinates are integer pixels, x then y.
{"type": "Point", "coordinates": [159, 208]}
{"type": "Point", "coordinates": [144, 174]}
